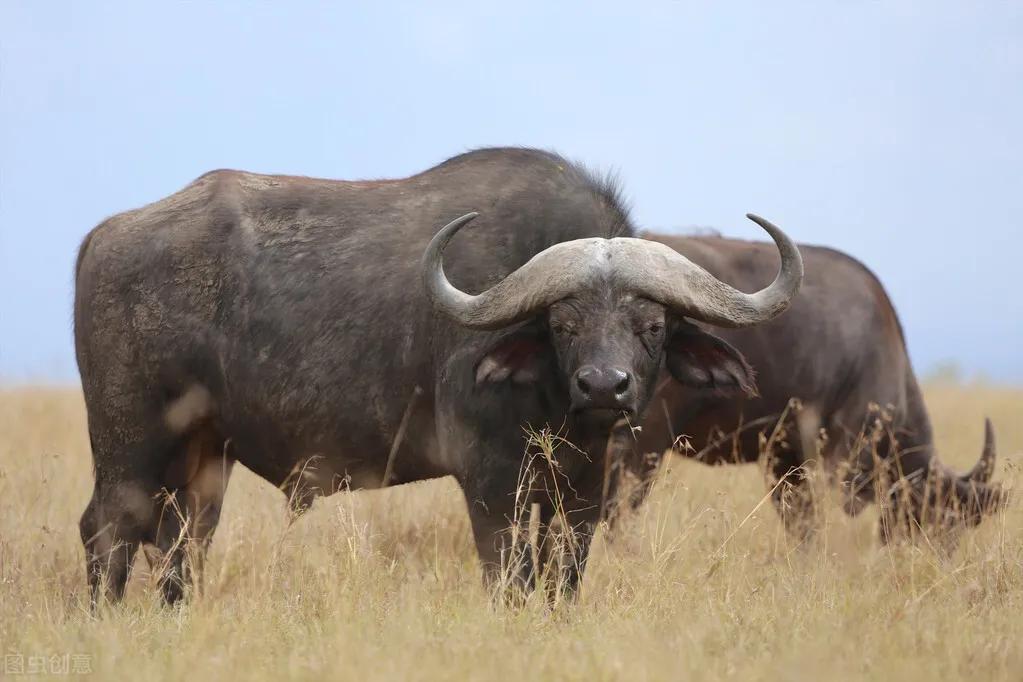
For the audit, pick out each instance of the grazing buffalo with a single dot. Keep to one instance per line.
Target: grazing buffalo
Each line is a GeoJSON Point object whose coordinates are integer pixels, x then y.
{"type": "Point", "coordinates": [840, 351]}
{"type": "Point", "coordinates": [308, 329]}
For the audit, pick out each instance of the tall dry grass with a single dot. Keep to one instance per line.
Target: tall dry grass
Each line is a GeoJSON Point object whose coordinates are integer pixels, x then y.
{"type": "Point", "coordinates": [384, 585]}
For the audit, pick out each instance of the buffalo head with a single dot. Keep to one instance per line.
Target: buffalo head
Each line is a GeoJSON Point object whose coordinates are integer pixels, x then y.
{"type": "Point", "coordinates": [936, 498]}
{"type": "Point", "coordinates": [607, 312]}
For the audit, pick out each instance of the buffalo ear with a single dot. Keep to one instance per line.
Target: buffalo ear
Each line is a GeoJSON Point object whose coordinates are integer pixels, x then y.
{"type": "Point", "coordinates": [517, 357]}
{"type": "Point", "coordinates": [698, 359]}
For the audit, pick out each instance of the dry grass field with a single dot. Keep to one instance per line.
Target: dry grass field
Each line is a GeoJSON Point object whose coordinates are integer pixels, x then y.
{"type": "Point", "coordinates": [384, 585]}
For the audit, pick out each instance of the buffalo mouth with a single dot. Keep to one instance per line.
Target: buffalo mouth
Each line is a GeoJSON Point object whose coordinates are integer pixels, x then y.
{"type": "Point", "coordinates": [603, 417]}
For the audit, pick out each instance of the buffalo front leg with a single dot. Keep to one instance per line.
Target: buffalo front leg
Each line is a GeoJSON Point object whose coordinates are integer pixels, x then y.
{"type": "Point", "coordinates": [791, 492]}
{"type": "Point", "coordinates": [524, 535]}
{"type": "Point", "coordinates": [565, 550]}
{"type": "Point", "coordinates": [630, 482]}
{"type": "Point", "coordinates": [576, 511]}
{"type": "Point", "coordinates": [501, 533]}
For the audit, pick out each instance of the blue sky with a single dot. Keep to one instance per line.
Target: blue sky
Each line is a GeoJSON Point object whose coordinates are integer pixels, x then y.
{"type": "Point", "coordinates": [889, 130]}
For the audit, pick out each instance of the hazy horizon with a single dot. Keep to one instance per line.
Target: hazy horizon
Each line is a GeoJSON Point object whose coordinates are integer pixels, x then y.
{"type": "Point", "coordinates": [889, 131]}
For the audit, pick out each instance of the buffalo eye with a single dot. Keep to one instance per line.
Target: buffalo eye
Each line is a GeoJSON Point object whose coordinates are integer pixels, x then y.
{"type": "Point", "coordinates": [562, 329]}
{"type": "Point", "coordinates": [651, 329]}
{"type": "Point", "coordinates": [651, 335]}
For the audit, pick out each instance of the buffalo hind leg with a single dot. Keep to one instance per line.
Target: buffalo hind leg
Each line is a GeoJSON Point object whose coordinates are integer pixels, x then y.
{"type": "Point", "coordinates": [122, 513]}
{"type": "Point", "coordinates": [190, 512]}
{"type": "Point", "coordinates": [118, 518]}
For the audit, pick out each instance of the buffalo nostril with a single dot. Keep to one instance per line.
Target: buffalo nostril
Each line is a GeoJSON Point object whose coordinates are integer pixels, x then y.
{"type": "Point", "coordinates": [582, 380]}
{"type": "Point", "coordinates": [623, 381]}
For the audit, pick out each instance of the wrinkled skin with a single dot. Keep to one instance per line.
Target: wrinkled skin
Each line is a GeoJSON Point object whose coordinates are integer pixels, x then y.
{"type": "Point", "coordinates": [280, 322]}
{"type": "Point", "coordinates": [839, 350]}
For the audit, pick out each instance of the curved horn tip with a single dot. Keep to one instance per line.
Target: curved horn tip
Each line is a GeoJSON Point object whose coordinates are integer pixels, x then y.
{"type": "Point", "coordinates": [762, 222]}
{"type": "Point", "coordinates": [790, 277]}
{"type": "Point", "coordinates": [770, 227]}
{"type": "Point", "coordinates": [463, 220]}
{"type": "Point", "coordinates": [437, 286]}
{"type": "Point", "coordinates": [985, 466]}
{"type": "Point", "coordinates": [445, 234]}
{"type": "Point", "coordinates": [989, 441]}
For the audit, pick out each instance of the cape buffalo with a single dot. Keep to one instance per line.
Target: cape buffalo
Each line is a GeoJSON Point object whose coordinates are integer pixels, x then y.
{"type": "Point", "coordinates": [302, 326]}
{"type": "Point", "coordinates": [840, 351]}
